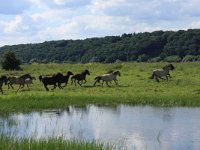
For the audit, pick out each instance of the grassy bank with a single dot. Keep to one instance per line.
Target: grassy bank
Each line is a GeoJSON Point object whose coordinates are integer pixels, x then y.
{"type": "Point", "coordinates": [8, 143]}
{"type": "Point", "coordinates": [183, 89]}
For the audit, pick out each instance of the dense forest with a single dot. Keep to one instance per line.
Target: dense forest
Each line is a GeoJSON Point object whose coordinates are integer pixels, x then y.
{"type": "Point", "coordinates": [171, 46]}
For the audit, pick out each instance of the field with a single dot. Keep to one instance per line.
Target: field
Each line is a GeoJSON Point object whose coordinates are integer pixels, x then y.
{"type": "Point", "coordinates": [183, 89]}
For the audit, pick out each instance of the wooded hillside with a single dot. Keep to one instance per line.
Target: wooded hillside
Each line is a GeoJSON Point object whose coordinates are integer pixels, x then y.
{"type": "Point", "coordinates": [156, 46]}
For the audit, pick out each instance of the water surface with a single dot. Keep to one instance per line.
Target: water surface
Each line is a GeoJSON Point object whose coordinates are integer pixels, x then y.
{"type": "Point", "coordinates": [127, 127]}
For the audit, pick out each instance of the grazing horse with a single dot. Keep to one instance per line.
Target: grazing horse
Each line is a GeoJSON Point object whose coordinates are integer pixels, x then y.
{"type": "Point", "coordinates": [3, 79]}
{"type": "Point", "coordinates": [80, 77]}
{"type": "Point", "coordinates": [63, 78]}
{"type": "Point", "coordinates": [50, 80]}
{"type": "Point", "coordinates": [18, 80]}
{"type": "Point", "coordinates": [159, 73]}
{"type": "Point", "coordinates": [108, 78]}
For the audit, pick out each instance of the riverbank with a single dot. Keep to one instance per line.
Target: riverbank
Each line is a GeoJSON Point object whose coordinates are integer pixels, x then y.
{"type": "Point", "coordinates": [135, 88]}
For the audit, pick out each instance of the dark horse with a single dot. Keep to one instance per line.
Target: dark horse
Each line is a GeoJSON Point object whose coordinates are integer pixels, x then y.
{"type": "Point", "coordinates": [80, 77]}
{"type": "Point", "coordinates": [3, 79]}
{"type": "Point", "coordinates": [63, 78]}
{"type": "Point", "coordinates": [54, 79]}
{"type": "Point", "coordinates": [50, 80]}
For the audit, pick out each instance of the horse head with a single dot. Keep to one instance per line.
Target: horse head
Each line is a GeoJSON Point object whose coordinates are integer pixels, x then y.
{"type": "Point", "coordinates": [171, 67]}
{"type": "Point", "coordinates": [168, 67]}
{"type": "Point", "coordinates": [40, 78]}
{"type": "Point", "coordinates": [117, 73]}
{"type": "Point", "coordinates": [87, 72]}
{"type": "Point", "coordinates": [69, 73]}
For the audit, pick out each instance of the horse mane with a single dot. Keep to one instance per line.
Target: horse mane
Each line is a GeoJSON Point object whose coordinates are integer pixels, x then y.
{"type": "Point", "coordinates": [117, 73]}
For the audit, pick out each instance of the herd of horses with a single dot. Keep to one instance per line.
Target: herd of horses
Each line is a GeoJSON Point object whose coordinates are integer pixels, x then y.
{"type": "Point", "coordinates": [57, 80]}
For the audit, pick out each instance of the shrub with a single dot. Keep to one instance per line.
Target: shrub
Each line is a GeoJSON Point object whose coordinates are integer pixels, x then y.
{"type": "Point", "coordinates": [143, 58]}
{"type": "Point", "coordinates": [189, 58]}
{"type": "Point", "coordinates": [155, 59]}
{"type": "Point", "coordinates": [10, 61]}
{"type": "Point", "coordinates": [172, 59]}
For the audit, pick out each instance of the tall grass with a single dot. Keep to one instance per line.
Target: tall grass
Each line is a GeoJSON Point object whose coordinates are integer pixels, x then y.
{"type": "Point", "coordinates": [183, 89]}
{"type": "Point", "coordinates": [11, 143]}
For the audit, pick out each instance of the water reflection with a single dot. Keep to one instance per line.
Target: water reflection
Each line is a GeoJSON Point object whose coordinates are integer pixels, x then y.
{"type": "Point", "coordinates": [125, 126]}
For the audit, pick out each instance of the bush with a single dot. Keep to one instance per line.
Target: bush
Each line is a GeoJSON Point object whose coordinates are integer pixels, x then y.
{"type": "Point", "coordinates": [10, 62]}
{"type": "Point", "coordinates": [189, 58]}
{"type": "Point", "coordinates": [155, 59]}
{"type": "Point", "coordinates": [143, 58]}
{"type": "Point", "coordinates": [172, 59]}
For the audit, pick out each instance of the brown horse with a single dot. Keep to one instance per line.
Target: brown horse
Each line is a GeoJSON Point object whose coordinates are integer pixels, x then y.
{"type": "Point", "coordinates": [48, 80]}
{"type": "Point", "coordinates": [80, 77]}
{"type": "Point", "coordinates": [54, 79]}
{"type": "Point", "coordinates": [63, 78]}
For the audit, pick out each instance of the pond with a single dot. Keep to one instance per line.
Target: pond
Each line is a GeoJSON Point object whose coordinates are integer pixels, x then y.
{"type": "Point", "coordinates": [127, 127]}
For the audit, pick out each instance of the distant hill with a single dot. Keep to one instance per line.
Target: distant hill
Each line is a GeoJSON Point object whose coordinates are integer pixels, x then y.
{"type": "Point", "coordinates": [156, 46]}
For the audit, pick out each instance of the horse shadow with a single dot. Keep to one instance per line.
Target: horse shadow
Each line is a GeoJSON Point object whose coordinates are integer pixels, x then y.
{"type": "Point", "coordinates": [196, 91]}
{"type": "Point", "coordinates": [114, 86]}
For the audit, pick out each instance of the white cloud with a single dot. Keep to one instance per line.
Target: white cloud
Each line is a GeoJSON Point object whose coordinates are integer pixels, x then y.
{"type": "Point", "coordinates": [41, 20]}
{"type": "Point", "coordinates": [11, 26]}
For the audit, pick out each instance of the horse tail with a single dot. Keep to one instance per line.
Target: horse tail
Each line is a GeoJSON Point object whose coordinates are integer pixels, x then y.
{"type": "Point", "coordinates": [40, 78]}
{"type": "Point", "coordinates": [153, 75]}
{"type": "Point", "coordinates": [97, 78]}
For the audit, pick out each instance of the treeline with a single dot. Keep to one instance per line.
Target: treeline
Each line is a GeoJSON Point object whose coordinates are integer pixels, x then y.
{"type": "Point", "coordinates": [171, 46]}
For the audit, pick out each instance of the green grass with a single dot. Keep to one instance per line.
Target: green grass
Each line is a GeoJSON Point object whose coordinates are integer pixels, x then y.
{"type": "Point", "coordinates": [8, 143]}
{"type": "Point", "coordinates": [183, 89]}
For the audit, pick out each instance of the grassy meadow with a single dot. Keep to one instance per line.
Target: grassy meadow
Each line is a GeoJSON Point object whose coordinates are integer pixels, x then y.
{"type": "Point", "coordinates": [183, 89]}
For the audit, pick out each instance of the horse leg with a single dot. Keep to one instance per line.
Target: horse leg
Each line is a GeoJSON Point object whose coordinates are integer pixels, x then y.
{"type": "Point", "coordinates": [27, 85]}
{"type": "Point", "coordinates": [8, 84]}
{"type": "Point", "coordinates": [73, 81]}
{"type": "Point", "coordinates": [96, 82]}
{"type": "Point", "coordinates": [166, 77]}
{"type": "Point", "coordinates": [116, 82]}
{"type": "Point", "coordinates": [54, 86]}
{"type": "Point", "coordinates": [46, 87]}
{"type": "Point", "coordinates": [102, 82]}
{"type": "Point", "coordinates": [79, 82]}
{"type": "Point", "coordinates": [161, 78]}
{"type": "Point", "coordinates": [18, 88]}
{"type": "Point", "coordinates": [84, 82]}
{"type": "Point", "coordinates": [152, 76]}
{"type": "Point", "coordinates": [169, 75]}
{"type": "Point", "coordinates": [59, 85]}
{"type": "Point", "coordinates": [65, 84]}
{"type": "Point", "coordinates": [11, 86]}
{"type": "Point", "coordinates": [107, 84]}
{"type": "Point", "coordinates": [157, 79]}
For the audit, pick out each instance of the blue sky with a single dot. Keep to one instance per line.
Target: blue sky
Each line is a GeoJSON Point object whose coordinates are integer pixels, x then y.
{"type": "Point", "coordinates": [33, 21]}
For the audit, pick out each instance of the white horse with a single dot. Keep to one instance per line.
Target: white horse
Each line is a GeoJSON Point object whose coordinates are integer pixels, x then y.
{"type": "Point", "coordinates": [108, 78]}
{"type": "Point", "coordinates": [159, 73]}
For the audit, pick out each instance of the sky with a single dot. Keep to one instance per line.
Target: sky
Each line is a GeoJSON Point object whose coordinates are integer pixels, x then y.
{"type": "Point", "coordinates": [36, 21]}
